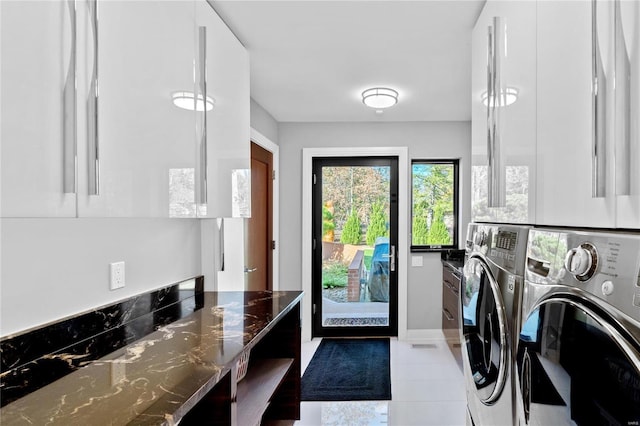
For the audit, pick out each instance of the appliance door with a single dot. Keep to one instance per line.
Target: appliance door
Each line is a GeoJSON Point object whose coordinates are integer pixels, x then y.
{"type": "Point", "coordinates": [576, 367]}
{"type": "Point", "coordinates": [484, 331]}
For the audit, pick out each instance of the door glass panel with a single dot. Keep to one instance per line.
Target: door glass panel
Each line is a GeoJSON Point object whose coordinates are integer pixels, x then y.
{"type": "Point", "coordinates": [355, 246]}
{"type": "Point", "coordinates": [572, 372]}
{"type": "Point", "coordinates": [481, 328]}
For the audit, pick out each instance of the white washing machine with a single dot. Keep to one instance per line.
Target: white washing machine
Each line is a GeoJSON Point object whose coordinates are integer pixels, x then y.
{"type": "Point", "coordinates": [490, 306]}
{"type": "Point", "coordinates": [578, 354]}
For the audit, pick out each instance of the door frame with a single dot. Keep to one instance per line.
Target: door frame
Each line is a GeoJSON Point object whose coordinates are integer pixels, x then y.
{"type": "Point", "coordinates": [261, 140]}
{"type": "Point", "coordinates": [317, 328]}
{"type": "Point", "coordinates": [308, 154]}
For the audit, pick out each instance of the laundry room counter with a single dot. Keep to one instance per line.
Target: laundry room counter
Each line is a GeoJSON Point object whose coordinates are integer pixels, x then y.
{"type": "Point", "coordinates": [186, 371]}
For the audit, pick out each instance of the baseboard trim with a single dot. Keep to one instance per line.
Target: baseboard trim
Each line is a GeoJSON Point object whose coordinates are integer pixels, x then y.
{"type": "Point", "coordinates": [425, 335]}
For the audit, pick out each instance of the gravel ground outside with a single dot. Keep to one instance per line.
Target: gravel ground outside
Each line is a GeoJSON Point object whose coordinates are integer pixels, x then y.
{"type": "Point", "coordinates": [338, 294]}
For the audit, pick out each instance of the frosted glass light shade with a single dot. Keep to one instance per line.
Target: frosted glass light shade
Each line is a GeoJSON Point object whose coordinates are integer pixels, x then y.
{"type": "Point", "coordinates": [185, 100]}
{"type": "Point", "coordinates": [380, 97]}
{"type": "Point", "coordinates": [509, 96]}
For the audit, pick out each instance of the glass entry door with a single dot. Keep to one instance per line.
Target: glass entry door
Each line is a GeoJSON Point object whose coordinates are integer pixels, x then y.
{"type": "Point", "coordinates": [355, 215]}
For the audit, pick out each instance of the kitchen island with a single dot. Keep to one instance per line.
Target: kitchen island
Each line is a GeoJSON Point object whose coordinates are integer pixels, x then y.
{"type": "Point", "coordinates": [189, 371]}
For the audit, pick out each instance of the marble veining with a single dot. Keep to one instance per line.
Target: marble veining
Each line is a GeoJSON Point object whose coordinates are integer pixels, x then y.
{"type": "Point", "coordinates": [156, 379]}
{"type": "Point", "coordinates": [35, 358]}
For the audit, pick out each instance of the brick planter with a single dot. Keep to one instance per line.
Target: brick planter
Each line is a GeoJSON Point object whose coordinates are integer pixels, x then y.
{"type": "Point", "coordinates": [356, 270]}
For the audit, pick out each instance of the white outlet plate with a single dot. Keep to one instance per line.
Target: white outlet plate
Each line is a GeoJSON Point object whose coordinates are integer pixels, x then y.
{"type": "Point", "coordinates": [116, 276]}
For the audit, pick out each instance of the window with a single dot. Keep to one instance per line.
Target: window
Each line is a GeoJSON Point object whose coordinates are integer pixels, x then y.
{"type": "Point", "coordinates": [434, 205]}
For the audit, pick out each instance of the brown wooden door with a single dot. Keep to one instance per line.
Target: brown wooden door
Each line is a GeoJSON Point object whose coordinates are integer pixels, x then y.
{"type": "Point", "coordinates": [259, 235]}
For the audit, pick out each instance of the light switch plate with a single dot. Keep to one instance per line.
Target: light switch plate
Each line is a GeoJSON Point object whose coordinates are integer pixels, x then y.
{"type": "Point", "coordinates": [116, 276]}
{"type": "Point", "coordinates": [416, 260]}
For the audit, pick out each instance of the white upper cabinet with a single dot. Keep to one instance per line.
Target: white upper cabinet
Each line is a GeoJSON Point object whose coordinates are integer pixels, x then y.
{"type": "Point", "coordinates": [588, 114]}
{"type": "Point", "coordinates": [628, 40]}
{"type": "Point", "coordinates": [223, 72]}
{"type": "Point", "coordinates": [140, 147]}
{"type": "Point", "coordinates": [38, 109]}
{"type": "Point", "coordinates": [575, 162]}
{"type": "Point", "coordinates": [503, 113]}
{"type": "Point", "coordinates": [103, 112]}
{"type": "Point", "coordinates": [570, 140]}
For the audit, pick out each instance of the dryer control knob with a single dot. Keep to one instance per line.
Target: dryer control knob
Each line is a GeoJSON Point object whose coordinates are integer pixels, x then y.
{"type": "Point", "coordinates": [579, 262]}
{"type": "Point", "coordinates": [607, 288]}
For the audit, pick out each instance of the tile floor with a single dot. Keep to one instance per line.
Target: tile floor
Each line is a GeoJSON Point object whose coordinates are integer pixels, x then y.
{"type": "Point", "coordinates": [427, 388]}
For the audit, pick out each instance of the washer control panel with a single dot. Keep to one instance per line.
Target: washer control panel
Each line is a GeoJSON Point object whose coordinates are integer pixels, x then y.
{"type": "Point", "coordinates": [503, 245]}
{"type": "Point", "coordinates": [607, 265]}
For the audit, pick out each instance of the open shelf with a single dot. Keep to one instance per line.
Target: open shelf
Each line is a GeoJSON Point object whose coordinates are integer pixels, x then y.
{"type": "Point", "coordinates": [270, 390]}
{"type": "Point", "coordinates": [257, 388]}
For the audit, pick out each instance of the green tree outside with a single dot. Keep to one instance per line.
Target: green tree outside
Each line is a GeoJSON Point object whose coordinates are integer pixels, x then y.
{"type": "Point", "coordinates": [433, 192]}
{"type": "Point", "coordinates": [351, 233]}
{"type": "Point", "coordinates": [420, 231]}
{"type": "Point", "coordinates": [438, 233]}
{"type": "Point", "coordinates": [377, 224]}
{"type": "Point", "coordinates": [354, 189]}
{"type": "Point", "coordinates": [328, 225]}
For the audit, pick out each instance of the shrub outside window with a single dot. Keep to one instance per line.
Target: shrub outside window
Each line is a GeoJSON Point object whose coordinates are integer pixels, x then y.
{"type": "Point", "coordinates": [434, 205]}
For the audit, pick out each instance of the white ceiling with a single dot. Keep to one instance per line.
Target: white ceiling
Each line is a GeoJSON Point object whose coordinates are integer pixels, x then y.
{"type": "Point", "coordinates": [310, 60]}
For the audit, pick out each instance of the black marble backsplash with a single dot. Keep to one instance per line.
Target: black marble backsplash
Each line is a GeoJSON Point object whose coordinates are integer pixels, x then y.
{"type": "Point", "coordinates": [38, 357]}
{"type": "Point", "coordinates": [452, 255]}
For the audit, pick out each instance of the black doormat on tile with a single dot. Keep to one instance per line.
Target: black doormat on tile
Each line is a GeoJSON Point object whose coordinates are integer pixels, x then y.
{"type": "Point", "coordinates": [348, 370]}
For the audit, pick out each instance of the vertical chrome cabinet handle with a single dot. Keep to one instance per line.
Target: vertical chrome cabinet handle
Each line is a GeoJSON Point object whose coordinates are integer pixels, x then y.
{"type": "Point", "coordinates": [221, 244]}
{"type": "Point", "coordinates": [201, 106]}
{"type": "Point", "coordinates": [598, 112]}
{"type": "Point", "coordinates": [622, 107]}
{"type": "Point", "coordinates": [92, 107]}
{"type": "Point", "coordinates": [490, 98]}
{"type": "Point", "coordinates": [496, 170]}
{"type": "Point", "coordinates": [69, 135]}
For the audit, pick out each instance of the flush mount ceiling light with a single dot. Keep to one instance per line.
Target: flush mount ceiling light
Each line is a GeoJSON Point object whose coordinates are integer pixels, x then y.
{"type": "Point", "coordinates": [507, 97]}
{"type": "Point", "coordinates": [186, 100]}
{"type": "Point", "coordinates": [380, 97]}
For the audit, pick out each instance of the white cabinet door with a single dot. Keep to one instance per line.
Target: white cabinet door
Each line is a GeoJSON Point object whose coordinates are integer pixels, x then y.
{"type": "Point", "coordinates": [37, 148]}
{"type": "Point", "coordinates": [145, 144]}
{"type": "Point", "coordinates": [479, 65]}
{"type": "Point", "coordinates": [514, 114]}
{"type": "Point", "coordinates": [628, 206]}
{"type": "Point", "coordinates": [227, 123]}
{"type": "Point", "coordinates": [566, 154]}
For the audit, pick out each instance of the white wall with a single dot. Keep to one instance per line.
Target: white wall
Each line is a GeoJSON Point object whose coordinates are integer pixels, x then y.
{"type": "Point", "coordinates": [264, 122]}
{"type": "Point", "coordinates": [425, 140]}
{"type": "Point", "coordinates": [53, 268]}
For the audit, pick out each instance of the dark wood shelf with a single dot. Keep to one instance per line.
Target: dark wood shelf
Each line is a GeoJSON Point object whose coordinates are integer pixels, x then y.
{"type": "Point", "coordinates": [270, 391]}
{"type": "Point", "coordinates": [257, 388]}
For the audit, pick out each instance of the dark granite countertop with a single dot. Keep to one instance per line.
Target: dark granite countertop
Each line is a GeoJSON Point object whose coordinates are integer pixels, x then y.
{"type": "Point", "coordinates": [159, 378]}
{"type": "Point", "coordinates": [456, 265]}
{"type": "Point", "coordinates": [454, 259]}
